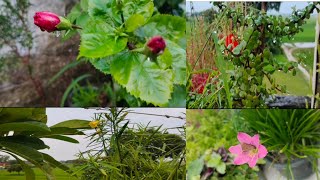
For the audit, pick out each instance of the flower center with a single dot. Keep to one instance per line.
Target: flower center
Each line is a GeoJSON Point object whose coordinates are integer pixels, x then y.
{"type": "Point", "coordinates": [249, 148]}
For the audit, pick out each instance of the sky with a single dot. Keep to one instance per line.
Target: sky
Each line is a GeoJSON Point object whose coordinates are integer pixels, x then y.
{"type": "Point", "coordinates": [66, 151]}
{"type": "Point", "coordinates": [285, 7]}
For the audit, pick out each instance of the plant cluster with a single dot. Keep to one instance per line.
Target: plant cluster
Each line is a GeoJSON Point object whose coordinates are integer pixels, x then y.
{"type": "Point", "coordinates": [288, 134]}
{"type": "Point", "coordinates": [244, 57]}
{"type": "Point", "coordinates": [209, 134]}
{"type": "Point", "coordinates": [21, 130]}
{"type": "Point", "coordinates": [118, 151]}
{"type": "Point", "coordinates": [116, 39]}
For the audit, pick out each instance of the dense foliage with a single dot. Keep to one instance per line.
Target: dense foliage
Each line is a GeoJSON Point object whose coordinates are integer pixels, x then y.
{"type": "Point", "coordinates": [209, 134]}
{"type": "Point", "coordinates": [115, 33]}
{"type": "Point", "coordinates": [118, 151]}
{"type": "Point", "coordinates": [288, 134]}
{"type": "Point", "coordinates": [21, 130]}
{"type": "Point", "coordinates": [247, 68]}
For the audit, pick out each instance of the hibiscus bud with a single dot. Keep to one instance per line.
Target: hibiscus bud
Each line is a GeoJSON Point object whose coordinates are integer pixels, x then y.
{"type": "Point", "coordinates": [48, 21]}
{"type": "Point", "coordinates": [156, 45]}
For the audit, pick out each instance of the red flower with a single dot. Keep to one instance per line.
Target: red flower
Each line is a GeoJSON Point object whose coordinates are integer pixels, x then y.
{"type": "Point", "coordinates": [231, 39]}
{"type": "Point", "coordinates": [46, 21]}
{"type": "Point", "coordinates": [199, 81]}
{"type": "Point", "coordinates": [156, 45]}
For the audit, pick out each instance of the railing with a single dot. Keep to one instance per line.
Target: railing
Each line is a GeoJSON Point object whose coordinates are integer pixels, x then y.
{"type": "Point", "coordinates": [315, 77]}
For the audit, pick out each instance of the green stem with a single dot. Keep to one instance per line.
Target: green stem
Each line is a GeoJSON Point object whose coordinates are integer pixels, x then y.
{"type": "Point", "coordinates": [76, 27]}
{"type": "Point", "coordinates": [104, 145]}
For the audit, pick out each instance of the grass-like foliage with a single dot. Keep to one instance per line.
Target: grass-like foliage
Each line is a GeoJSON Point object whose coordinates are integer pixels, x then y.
{"type": "Point", "coordinates": [121, 151]}
{"type": "Point", "coordinates": [288, 134]}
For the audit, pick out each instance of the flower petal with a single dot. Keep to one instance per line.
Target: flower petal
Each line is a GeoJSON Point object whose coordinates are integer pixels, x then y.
{"type": "Point", "coordinates": [241, 159]}
{"type": "Point", "coordinates": [244, 138]}
{"type": "Point", "coordinates": [253, 161]}
{"type": "Point", "coordinates": [262, 151]}
{"type": "Point", "coordinates": [255, 140]}
{"type": "Point", "coordinates": [236, 149]}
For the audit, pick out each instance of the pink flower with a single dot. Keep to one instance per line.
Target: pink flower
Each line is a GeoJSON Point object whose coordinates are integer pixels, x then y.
{"type": "Point", "coordinates": [249, 150]}
{"type": "Point", "coordinates": [156, 45]}
{"type": "Point", "coordinates": [46, 21]}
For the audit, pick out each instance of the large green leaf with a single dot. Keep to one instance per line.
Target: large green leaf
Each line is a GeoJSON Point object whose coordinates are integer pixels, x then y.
{"type": "Point", "coordinates": [178, 62]}
{"type": "Point", "coordinates": [22, 114]}
{"type": "Point", "coordinates": [98, 40]}
{"type": "Point", "coordinates": [63, 138]}
{"type": "Point", "coordinates": [102, 64]}
{"type": "Point", "coordinates": [142, 7]}
{"type": "Point", "coordinates": [169, 27]}
{"type": "Point", "coordinates": [24, 126]}
{"type": "Point", "coordinates": [99, 8]}
{"type": "Point", "coordinates": [130, 8]}
{"type": "Point", "coordinates": [39, 114]}
{"type": "Point", "coordinates": [178, 97]}
{"type": "Point", "coordinates": [55, 163]}
{"type": "Point", "coordinates": [59, 131]}
{"type": "Point", "coordinates": [23, 151]}
{"type": "Point", "coordinates": [143, 78]}
{"type": "Point", "coordinates": [75, 123]}
{"type": "Point", "coordinates": [74, 13]}
{"type": "Point", "coordinates": [29, 173]}
{"type": "Point", "coordinates": [32, 142]}
{"type": "Point", "coordinates": [195, 167]}
{"type": "Point", "coordinates": [134, 22]}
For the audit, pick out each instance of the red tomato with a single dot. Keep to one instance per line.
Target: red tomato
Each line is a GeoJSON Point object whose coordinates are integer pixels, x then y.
{"type": "Point", "coordinates": [231, 39]}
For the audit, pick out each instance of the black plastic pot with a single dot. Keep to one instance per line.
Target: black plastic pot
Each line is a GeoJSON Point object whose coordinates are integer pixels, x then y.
{"type": "Point", "coordinates": [288, 102]}
{"type": "Point", "coordinates": [301, 168]}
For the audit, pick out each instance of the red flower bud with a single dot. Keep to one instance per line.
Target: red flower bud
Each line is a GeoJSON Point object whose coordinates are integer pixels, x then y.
{"type": "Point", "coordinates": [199, 81]}
{"type": "Point", "coordinates": [156, 45]}
{"type": "Point", "coordinates": [231, 39]}
{"type": "Point", "coordinates": [46, 21]}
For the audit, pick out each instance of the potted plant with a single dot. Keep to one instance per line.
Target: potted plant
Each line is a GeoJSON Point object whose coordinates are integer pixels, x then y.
{"type": "Point", "coordinates": [291, 136]}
